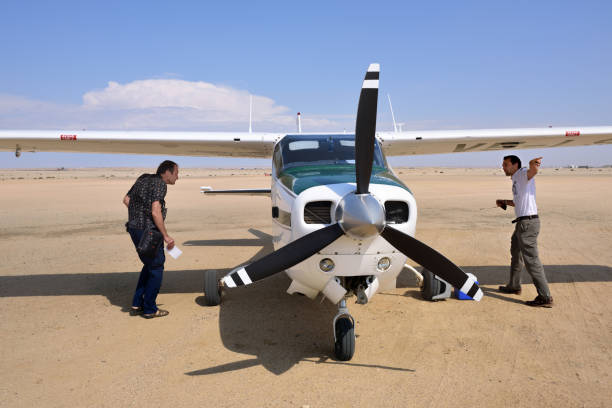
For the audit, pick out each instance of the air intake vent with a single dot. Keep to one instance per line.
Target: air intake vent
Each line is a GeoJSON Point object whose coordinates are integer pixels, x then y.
{"type": "Point", "coordinates": [396, 212]}
{"type": "Point", "coordinates": [318, 212]}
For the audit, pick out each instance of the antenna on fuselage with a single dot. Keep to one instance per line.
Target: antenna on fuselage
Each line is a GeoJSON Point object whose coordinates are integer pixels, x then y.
{"type": "Point", "coordinates": [250, 113]}
{"type": "Point", "coordinates": [392, 115]}
{"type": "Point", "coordinates": [299, 123]}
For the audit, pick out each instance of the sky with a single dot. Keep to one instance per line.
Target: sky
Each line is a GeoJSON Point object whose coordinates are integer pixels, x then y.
{"type": "Point", "coordinates": [191, 65]}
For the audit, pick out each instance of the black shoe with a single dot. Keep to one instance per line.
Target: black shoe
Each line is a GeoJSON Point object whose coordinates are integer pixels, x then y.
{"type": "Point", "coordinates": [506, 289]}
{"type": "Point", "coordinates": [540, 301]}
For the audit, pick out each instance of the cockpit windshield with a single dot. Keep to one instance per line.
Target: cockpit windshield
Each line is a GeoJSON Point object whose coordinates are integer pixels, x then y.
{"type": "Point", "coordinates": [308, 150]}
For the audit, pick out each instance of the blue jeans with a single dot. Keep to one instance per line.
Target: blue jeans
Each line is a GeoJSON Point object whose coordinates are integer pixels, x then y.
{"type": "Point", "coordinates": [150, 278]}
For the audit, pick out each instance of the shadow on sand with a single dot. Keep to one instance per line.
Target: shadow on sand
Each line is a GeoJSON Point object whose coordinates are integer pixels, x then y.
{"type": "Point", "coordinates": [262, 320]}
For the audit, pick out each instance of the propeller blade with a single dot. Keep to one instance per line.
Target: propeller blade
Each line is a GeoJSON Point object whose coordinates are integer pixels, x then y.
{"type": "Point", "coordinates": [433, 260]}
{"type": "Point", "coordinates": [365, 128]}
{"type": "Point", "coordinates": [284, 258]}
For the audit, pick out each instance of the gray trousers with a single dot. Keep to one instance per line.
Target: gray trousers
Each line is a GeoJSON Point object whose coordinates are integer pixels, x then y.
{"type": "Point", "coordinates": [524, 251]}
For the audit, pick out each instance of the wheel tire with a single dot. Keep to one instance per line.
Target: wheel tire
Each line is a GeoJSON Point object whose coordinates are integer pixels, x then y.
{"type": "Point", "coordinates": [431, 286]}
{"type": "Point", "coordinates": [344, 348]}
{"type": "Point", "coordinates": [212, 292]}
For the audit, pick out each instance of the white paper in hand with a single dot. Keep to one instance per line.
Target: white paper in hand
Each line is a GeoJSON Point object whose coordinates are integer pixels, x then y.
{"type": "Point", "coordinates": [174, 252]}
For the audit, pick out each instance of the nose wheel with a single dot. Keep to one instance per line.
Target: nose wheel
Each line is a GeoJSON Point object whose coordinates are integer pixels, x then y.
{"type": "Point", "coordinates": [344, 333]}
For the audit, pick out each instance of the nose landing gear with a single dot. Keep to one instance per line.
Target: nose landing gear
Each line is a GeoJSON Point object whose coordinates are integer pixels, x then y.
{"type": "Point", "coordinates": [344, 333]}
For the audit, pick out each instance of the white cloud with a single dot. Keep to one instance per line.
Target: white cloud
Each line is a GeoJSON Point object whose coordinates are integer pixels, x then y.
{"type": "Point", "coordinates": [175, 93]}
{"type": "Point", "coordinates": [161, 104]}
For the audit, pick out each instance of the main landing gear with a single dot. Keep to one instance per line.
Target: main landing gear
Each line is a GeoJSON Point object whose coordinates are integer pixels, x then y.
{"type": "Point", "coordinates": [432, 287]}
{"type": "Point", "coordinates": [212, 288]}
{"type": "Point", "coordinates": [344, 333]}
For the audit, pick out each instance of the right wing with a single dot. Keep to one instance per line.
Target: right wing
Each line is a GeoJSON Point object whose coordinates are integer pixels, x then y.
{"type": "Point", "coordinates": [457, 141]}
{"type": "Point", "coordinates": [238, 144]}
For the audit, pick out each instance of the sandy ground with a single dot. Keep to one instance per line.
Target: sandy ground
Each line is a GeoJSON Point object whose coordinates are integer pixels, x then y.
{"type": "Point", "coordinates": [68, 269]}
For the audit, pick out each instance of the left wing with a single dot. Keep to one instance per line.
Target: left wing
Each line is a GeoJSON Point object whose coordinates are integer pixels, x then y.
{"type": "Point", "coordinates": [239, 144]}
{"type": "Point", "coordinates": [457, 141]}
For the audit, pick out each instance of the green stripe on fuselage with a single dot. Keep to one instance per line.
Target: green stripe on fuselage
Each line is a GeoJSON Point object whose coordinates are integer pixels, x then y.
{"type": "Point", "coordinates": [300, 178]}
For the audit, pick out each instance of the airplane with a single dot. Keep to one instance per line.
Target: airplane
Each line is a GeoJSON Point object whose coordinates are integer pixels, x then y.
{"type": "Point", "coordinates": [344, 223]}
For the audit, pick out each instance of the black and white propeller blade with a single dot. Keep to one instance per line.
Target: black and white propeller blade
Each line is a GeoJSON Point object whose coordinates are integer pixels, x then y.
{"type": "Point", "coordinates": [284, 258]}
{"type": "Point", "coordinates": [431, 259]}
{"type": "Point", "coordinates": [365, 128]}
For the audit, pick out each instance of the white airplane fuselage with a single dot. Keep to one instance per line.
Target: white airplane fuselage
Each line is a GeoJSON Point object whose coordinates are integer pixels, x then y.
{"type": "Point", "coordinates": [304, 199]}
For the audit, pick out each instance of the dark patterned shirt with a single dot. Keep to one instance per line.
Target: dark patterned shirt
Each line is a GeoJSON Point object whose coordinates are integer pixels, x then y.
{"type": "Point", "coordinates": [146, 190]}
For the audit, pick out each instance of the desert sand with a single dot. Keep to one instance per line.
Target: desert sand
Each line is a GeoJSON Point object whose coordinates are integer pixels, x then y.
{"type": "Point", "coordinates": [68, 269]}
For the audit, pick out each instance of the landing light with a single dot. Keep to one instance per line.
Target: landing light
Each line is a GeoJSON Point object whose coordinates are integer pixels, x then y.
{"type": "Point", "coordinates": [326, 265]}
{"type": "Point", "coordinates": [384, 264]}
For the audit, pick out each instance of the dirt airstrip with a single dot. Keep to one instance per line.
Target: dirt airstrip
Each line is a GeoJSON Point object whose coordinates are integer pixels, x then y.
{"type": "Point", "coordinates": [68, 269]}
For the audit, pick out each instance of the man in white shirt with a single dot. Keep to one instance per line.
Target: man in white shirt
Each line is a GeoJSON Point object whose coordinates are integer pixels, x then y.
{"type": "Point", "coordinates": [524, 246]}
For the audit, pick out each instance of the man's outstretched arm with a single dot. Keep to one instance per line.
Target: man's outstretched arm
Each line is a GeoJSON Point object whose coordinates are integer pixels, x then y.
{"type": "Point", "coordinates": [534, 165]}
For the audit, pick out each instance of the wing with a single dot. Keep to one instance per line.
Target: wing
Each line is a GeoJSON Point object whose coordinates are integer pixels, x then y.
{"type": "Point", "coordinates": [242, 144]}
{"type": "Point", "coordinates": [457, 141]}
{"type": "Point", "coordinates": [239, 144]}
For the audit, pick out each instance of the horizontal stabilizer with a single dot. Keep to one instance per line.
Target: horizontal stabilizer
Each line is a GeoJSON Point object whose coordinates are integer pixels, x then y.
{"type": "Point", "coordinates": [245, 191]}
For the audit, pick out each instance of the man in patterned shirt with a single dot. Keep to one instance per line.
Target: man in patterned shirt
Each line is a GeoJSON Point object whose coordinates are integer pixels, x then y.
{"type": "Point", "coordinates": [147, 208]}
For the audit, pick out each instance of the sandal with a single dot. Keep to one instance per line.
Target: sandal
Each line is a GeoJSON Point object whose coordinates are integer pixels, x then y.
{"type": "Point", "coordinates": [135, 311]}
{"type": "Point", "coordinates": [159, 313]}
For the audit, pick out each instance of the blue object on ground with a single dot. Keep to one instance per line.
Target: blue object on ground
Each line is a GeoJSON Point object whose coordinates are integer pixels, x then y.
{"type": "Point", "coordinates": [462, 296]}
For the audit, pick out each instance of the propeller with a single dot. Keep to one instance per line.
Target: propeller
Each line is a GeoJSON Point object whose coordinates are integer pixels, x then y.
{"type": "Point", "coordinates": [359, 215]}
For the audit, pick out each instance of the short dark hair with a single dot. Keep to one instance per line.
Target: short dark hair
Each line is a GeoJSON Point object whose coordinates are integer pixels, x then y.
{"type": "Point", "coordinates": [513, 159]}
{"type": "Point", "coordinates": [166, 165]}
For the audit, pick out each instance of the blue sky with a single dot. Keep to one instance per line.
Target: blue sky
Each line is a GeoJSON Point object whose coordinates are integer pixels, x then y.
{"type": "Point", "coordinates": [446, 65]}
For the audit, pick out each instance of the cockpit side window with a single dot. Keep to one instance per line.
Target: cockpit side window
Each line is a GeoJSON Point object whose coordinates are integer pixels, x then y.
{"type": "Point", "coordinates": [277, 160]}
